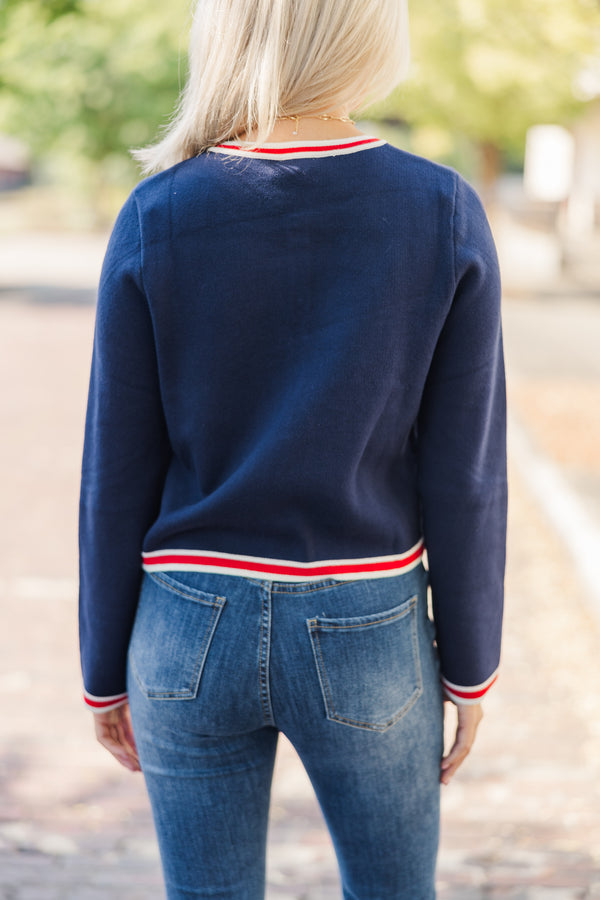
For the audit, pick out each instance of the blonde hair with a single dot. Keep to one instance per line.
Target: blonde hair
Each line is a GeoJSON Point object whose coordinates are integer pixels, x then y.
{"type": "Point", "coordinates": [251, 61]}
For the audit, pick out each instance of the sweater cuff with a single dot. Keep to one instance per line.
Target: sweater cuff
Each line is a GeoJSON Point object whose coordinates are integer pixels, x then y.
{"type": "Point", "coordinates": [467, 696]}
{"type": "Point", "coordinates": [104, 704]}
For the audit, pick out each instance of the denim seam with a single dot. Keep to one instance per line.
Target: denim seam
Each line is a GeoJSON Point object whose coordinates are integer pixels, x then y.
{"type": "Point", "coordinates": [417, 655]}
{"type": "Point", "coordinates": [307, 588]}
{"type": "Point", "coordinates": [199, 597]}
{"type": "Point", "coordinates": [265, 656]}
{"type": "Point", "coordinates": [319, 626]}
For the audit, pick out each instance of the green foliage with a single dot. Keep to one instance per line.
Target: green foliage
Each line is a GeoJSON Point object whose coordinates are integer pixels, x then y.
{"type": "Point", "coordinates": [488, 69]}
{"type": "Point", "coordinates": [90, 78]}
{"type": "Point", "coordinates": [48, 9]}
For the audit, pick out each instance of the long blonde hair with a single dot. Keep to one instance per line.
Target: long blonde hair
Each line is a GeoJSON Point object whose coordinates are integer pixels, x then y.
{"type": "Point", "coordinates": [251, 61]}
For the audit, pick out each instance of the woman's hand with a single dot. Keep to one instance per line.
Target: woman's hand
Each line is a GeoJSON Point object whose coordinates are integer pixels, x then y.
{"type": "Point", "coordinates": [469, 718]}
{"type": "Point", "coordinates": [114, 731]}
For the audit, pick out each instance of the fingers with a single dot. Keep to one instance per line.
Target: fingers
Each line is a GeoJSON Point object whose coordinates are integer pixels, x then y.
{"type": "Point", "coordinates": [114, 732]}
{"type": "Point", "coordinates": [468, 719]}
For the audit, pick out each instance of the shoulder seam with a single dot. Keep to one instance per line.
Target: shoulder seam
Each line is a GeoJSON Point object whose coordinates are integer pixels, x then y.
{"type": "Point", "coordinates": [453, 226]}
{"type": "Point", "coordinates": [140, 251]}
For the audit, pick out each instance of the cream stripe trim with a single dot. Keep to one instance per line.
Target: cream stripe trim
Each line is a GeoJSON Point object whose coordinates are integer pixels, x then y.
{"type": "Point", "coordinates": [308, 150]}
{"type": "Point", "coordinates": [281, 569]}
{"type": "Point", "coordinates": [471, 694]}
{"type": "Point", "coordinates": [476, 687]}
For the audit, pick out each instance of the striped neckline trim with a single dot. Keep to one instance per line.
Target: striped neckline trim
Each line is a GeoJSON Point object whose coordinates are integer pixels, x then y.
{"type": "Point", "coordinates": [299, 149]}
{"type": "Point", "coordinates": [282, 569]}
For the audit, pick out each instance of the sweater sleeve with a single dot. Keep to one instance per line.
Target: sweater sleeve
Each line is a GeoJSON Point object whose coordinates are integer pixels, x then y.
{"type": "Point", "coordinates": [125, 456]}
{"type": "Point", "coordinates": [462, 463]}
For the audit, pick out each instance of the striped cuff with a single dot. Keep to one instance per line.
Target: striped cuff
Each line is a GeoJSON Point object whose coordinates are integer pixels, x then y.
{"type": "Point", "coordinates": [104, 704]}
{"type": "Point", "coordinates": [468, 696]}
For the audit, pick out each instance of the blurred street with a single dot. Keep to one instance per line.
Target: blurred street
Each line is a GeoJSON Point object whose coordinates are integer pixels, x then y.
{"type": "Point", "coordinates": [521, 821]}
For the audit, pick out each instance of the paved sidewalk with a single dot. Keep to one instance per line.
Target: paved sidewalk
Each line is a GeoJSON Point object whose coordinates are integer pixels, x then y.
{"type": "Point", "coordinates": [521, 821]}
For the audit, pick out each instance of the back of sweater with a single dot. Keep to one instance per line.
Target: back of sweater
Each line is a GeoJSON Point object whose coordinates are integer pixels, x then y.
{"type": "Point", "coordinates": [297, 361]}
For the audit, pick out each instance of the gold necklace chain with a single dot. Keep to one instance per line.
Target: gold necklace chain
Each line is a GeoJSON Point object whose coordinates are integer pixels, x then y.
{"type": "Point", "coordinates": [324, 117]}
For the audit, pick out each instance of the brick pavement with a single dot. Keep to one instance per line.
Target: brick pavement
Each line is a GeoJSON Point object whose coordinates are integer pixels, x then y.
{"type": "Point", "coordinates": [521, 821]}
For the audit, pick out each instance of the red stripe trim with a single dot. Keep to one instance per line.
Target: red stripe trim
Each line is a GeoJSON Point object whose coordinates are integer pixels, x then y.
{"type": "Point", "coordinates": [298, 148]}
{"type": "Point", "coordinates": [467, 694]}
{"type": "Point", "coordinates": [103, 704]}
{"type": "Point", "coordinates": [274, 569]}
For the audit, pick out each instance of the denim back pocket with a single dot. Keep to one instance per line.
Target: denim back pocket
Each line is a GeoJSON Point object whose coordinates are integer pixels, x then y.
{"type": "Point", "coordinates": [368, 666]}
{"type": "Point", "coordinates": [172, 634]}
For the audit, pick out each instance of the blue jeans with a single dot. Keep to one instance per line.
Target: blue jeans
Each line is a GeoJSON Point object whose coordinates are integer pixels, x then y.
{"type": "Point", "coordinates": [219, 664]}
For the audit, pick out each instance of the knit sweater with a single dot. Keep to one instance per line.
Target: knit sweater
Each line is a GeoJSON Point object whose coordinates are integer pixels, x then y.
{"type": "Point", "coordinates": [297, 374]}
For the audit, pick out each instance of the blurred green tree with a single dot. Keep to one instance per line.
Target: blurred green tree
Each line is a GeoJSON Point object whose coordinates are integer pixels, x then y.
{"type": "Point", "coordinates": [50, 9]}
{"type": "Point", "coordinates": [486, 70]}
{"type": "Point", "coordinates": [89, 79]}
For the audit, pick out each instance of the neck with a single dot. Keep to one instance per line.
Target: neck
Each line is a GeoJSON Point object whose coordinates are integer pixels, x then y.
{"type": "Point", "coordinates": [309, 129]}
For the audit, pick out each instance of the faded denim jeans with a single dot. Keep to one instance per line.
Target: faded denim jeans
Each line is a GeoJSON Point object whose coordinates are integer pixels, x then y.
{"type": "Point", "coordinates": [347, 670]}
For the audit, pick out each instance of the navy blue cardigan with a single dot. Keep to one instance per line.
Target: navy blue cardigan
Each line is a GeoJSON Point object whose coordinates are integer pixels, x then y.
{"type": "Point", "coordinates": [297, 374]}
